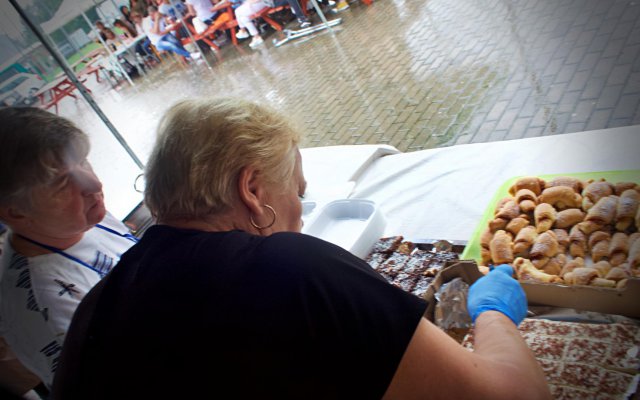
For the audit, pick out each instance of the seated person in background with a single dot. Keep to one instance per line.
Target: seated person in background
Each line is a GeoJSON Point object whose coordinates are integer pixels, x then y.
{"type": "Point", "coordinates": [173, 10]}
{"type": "Point", "coordinates": [303, 21]}
{"type": "Point", "coordinates": [173, 13]}
{"type": "Point", "coordinates": [107, 35]}
{"type": "Point", "coordinates": [209, 14]}
{"type": "Point", "coordinates": [144, 47]}
{"type": "Point", "coordinates": [126, 13]}
{"type": "Point", "coordinates": [128, 30]}
{"type": "Point", "coordinates": [139, 6]}
{"type": "Point", "coordinates": [160, 35]}
{"type": "Point", "coordinates": [202, 9]}
{"type": "Point", "coordinates": [250, 7]}
{"type": "Point", "coordinates": [224, 296]}
{"type": "Point", "coordinates": [243, 14]}
{"type": "Point", "coordinates": [61, 239]}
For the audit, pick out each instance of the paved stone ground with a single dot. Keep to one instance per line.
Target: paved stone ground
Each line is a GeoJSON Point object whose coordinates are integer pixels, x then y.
{"type": "Point", "coordinates": [418, 74]}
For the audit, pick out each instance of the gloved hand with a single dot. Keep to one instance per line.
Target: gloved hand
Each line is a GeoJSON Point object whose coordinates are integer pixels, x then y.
{"type": "Point", "coordinates": [498, 291]}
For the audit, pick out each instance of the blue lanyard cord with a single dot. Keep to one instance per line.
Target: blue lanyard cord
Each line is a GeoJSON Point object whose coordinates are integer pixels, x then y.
{"type": "Point", "coordinates": [127, 236]}
{"type": "Point", "coordinates": [56, 250]}
{"type": "Point", "coordinates": [66, 255]}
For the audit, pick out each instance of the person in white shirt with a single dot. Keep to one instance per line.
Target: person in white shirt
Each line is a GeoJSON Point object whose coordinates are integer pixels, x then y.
{"type": "Point", "coordinates": [160, 35]}
{"type": "Point", "coordinates": [203, 9]}
{"type": "Point", "coordinates": [61, 241]}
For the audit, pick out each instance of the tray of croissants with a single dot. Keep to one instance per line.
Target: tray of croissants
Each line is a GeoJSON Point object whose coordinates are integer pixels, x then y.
{"type": "Point", "coordinates": [579, 229]}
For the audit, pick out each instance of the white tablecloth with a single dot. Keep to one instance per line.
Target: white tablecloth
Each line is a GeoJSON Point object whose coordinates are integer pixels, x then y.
{"type": "Point", "coordinates": [442, 193]}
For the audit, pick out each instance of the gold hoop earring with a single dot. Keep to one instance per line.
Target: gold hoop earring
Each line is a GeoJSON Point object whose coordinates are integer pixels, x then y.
{"type": "Point", "coordinates": [273, 221]}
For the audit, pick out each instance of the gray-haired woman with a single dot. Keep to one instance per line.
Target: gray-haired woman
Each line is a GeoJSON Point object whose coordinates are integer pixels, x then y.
{"type": "Point", "coordinates": [225, 298]}
{"type": "Point", "coordinates": [61, 239]}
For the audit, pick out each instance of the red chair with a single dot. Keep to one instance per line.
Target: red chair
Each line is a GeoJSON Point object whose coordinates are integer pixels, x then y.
{"type": "Point", "coordinates": [225, 21]}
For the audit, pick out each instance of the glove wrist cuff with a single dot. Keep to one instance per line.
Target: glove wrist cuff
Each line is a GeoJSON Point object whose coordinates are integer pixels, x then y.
{"type": "Point", "coordinates": [482, 309]}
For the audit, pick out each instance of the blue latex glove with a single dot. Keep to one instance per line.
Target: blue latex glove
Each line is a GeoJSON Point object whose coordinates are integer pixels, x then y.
{"type": "Point", "coordinates": [498, 291]}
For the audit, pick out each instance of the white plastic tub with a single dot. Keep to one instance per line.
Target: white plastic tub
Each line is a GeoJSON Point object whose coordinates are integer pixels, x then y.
{"type": "Point", "coordinates": [352, 224]}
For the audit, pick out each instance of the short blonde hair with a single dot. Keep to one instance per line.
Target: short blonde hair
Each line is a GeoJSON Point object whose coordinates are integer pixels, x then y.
{"type": "Point", "coordinates": [203, 145]}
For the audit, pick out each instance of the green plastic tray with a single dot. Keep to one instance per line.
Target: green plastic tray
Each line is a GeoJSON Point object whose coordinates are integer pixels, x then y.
{"type": "Point", "coordinates": [472, 250]}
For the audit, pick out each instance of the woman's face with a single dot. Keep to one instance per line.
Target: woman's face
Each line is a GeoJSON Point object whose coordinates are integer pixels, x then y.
{"type": "Point", "coordinates": [68, 206]}
{"type": "Point", "coordinates": [287, 204]}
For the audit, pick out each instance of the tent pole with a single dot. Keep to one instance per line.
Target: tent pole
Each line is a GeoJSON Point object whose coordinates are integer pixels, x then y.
{"type": "Point", "coordinates": [46, 42]}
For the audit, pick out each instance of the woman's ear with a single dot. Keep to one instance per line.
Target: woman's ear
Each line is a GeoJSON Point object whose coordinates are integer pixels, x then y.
{"type": "Point", "coordinates": [251, 190]}
{"type": "Point", "coordinates": [12, 216]}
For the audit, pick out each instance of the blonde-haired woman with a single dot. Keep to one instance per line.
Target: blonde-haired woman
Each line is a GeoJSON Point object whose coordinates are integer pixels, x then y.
{"type": "Point", "coordinates": [226, 298]}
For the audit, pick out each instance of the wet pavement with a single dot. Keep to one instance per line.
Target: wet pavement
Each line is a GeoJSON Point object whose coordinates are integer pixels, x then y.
{"type": "Point", "coordinates": [417, 74]}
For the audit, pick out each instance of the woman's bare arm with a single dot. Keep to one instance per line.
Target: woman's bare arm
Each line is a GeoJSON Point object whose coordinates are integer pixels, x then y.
{"type": "Point", "coordinates": [501, 367]}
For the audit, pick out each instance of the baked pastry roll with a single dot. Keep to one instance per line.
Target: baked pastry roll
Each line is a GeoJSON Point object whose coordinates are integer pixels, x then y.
{"type": "Point", "coordinates": [501, 248]}
{"type": "Point", "coordinates": [485, 240]}
{"type": "Point", "coordinates": [506, 213]}
{"type": "Point", "coordinates": [568, 218]}
{"type": "Point", "coordinates": [563, 240]}
{"type": "Point", "coordinates": [509, 210]}
{"type": "Point", "coordinates": [618, 248]}
{"type": "Point", "coordinates": [525, 271]}
{"type": "Point", "coordinates": [515, 225]}
{"type": "Point", "coordinates": [594, 192]}
{"type": "Point", "coordinates": [603, 268]}
{"type": "Point", "coordinates": [555, 264]}
{"type": "Point", "coordinates": [601, 282]}
{"type": "Point", "coordinates": [599, 245]}
{"type": "Point", "coordinates": [524, 240]}
{"type": "Point", "coordinates": [574, 183]}
{"type": "Point", "coordinates": [627, 209]}
{"type": "Point", "coordinates": [580, 276]}
{"type": "Point", "coordinates": [501, 203]}
{"type": "Point", "coordinates": [621, 187]}
{"type": "Point", "coordinates": [526, 199]}
{"type": "Point", "coordinates": [544, 216]}
{"type": "Point", "coordinates": [561, 197]}
{"type": "Point", "coordinates": [577, 242]}
{"type": "Point", "coordinates": [633, 237]}
{"type": "Point", "coordinates": [617, 274]}
{"type": "Point", "coordinates": [532, 183]}
{"type": "Point", "coordinates": [601, 214]}
{"type": "Point", "coordinates": [577, 262]}
{"type": "Point", "coordinates": [497, 224]}
{"type": "Point", "coordinates": [545, 246]}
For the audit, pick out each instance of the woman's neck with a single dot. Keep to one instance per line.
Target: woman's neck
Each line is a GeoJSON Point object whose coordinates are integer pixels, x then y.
{"type": "Point", "coordinates": [220, 223]}
{"type": "Point", "coordinates": [27, 248]}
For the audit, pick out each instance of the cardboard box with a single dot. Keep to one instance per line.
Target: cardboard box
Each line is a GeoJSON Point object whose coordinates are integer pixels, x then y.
{"type": "Point", "coordinates": [467, 270]}
{"type": "Point", "coordinates": [624, 302]}
{"type": "Point", "coordinates": [604, 300]}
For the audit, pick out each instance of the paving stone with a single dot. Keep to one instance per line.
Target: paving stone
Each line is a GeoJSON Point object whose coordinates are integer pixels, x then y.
{"type": "Point", "coordinates": [507, 119]}
{"type": "Point", "coordinates": [583, 111]}
{"type": "Point", "coordinates": [497, 110]}
{"type": "Point", "coordinates": [518, 129]}
{"type": "Point", "coordinates": [593, 88]}
{"type": "Point", "coordinates": [599, 119]}
{"type": "Point", "coordinates": [578, 81]}
{"type": "Point", "coordinates": [626, 107]}
{"type": "Point", "coordinates": [619, 75]}
{"type": "Point", "coordinates": [609, 97]}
